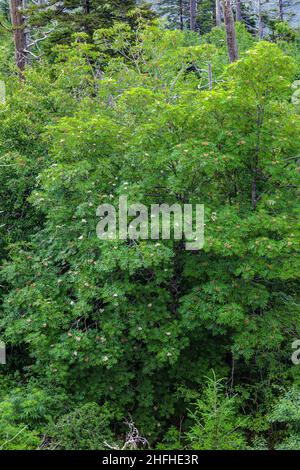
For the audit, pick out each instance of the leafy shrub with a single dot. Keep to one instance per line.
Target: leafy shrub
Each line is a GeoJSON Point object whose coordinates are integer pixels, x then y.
{"type": "Point", "coordinates": [85, 428]}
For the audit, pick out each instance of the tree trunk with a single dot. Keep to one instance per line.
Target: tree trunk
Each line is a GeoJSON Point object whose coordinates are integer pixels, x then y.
{"type": "Point", "coordinates": [260, 21]}
{"type": "Point", "coordinates": [230, 31]}
{"type": "Point", "coordinates": [18, 26]}
{"type": "Point", "coordinates": [193, 14]}
{"type": "Point", "coordinates": [86, 7]}
{"type": "Point", "coordinates": [238, 10]}
{"type": "Point", "coordinates": [281, 16]}
{"type": "Point", "coordinates": [218, 13]}
{"type": "Point", "coordinates": [181, 14]}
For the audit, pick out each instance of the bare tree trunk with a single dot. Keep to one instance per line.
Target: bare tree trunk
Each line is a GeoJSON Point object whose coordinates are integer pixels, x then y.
{"type": "Point", "coordinates": [238, 10]}
{"type": "Point", "coordinates": [181, 14]}
{"type": "Point", "coordinates": [18, 27]}
{"type": "Point", "coordinates": [260, 21]}
{"type": "Point", "coordinates": [230, 31]}
{"type": "Point", "coordinates": [218, 13]}
{"type": "Point", "coordinates": [280, 5]}
{"type": "Point", "coordinates": [87, 6]}
{"type": "Point", "coordinates": [193, 14]}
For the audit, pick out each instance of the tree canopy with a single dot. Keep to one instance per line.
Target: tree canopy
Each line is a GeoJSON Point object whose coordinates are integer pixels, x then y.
{"type": "Point", "coordinates": [191, 349]}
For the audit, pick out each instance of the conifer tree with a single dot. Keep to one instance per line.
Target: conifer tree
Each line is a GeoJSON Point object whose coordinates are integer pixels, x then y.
{"type": "Point", "coordinates": [176, 12]}
{"type": "Point", "coordinates": [70, 16]}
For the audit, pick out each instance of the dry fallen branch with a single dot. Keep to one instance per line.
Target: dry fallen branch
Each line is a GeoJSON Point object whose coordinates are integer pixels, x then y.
{"type": "Point", "coordinates": [133, 439]}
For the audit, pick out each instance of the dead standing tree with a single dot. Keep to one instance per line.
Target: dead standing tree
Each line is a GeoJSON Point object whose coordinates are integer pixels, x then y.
{"type": "Point", "coordinates": [218, 13]}
{"type": "Point", "coordinates": [18, 27]}
{"type": "Point", "coordinates": [230, 31]}
{"type": "Point", "coordinates": [193, 14]}
{"type": "Point", "coordinates": [26, 46]}
{"type": "Point", "coordinates": [239, 10]}
{"type": "Point", "coordinates": [181, 21]}
{"type": "Point", "coordinates": [260, 20]}
{"type": "Point", "coordinates": [280, 8]}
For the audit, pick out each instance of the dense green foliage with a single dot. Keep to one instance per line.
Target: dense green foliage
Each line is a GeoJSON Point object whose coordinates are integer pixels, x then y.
{"type": "Point", "coordinates": [194, 348]}
{"type": "Point", "coordinates": [78, 16]}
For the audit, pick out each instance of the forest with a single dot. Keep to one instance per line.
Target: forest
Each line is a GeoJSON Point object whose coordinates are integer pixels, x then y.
{"type": "Point", "coordinates": [128, 342]}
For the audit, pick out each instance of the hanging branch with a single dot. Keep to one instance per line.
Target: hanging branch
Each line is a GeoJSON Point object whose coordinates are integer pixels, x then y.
{"type": "Point", "coordinates": [35, 42]}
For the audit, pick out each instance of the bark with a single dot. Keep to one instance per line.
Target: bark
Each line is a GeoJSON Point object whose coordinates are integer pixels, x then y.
{"type": "Point", "coordinates": [238, 10]}
{"type": "Point", "coordinates": [260, 21]}
{"type": "Point", "coordinates": [218, 13]}
{"type": "Point", "coordinates": [18, 26]}
{"type": "Point", "coordinates": [280, 6]}
{"type": "Point", "coordinates": [181, 14]}
{"type": "Point", "coordinates": [230, 31]}
{"type": "Point", "coordinates": [86, 7]}
{"type": "Point", "coordinates": [193, 14]}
